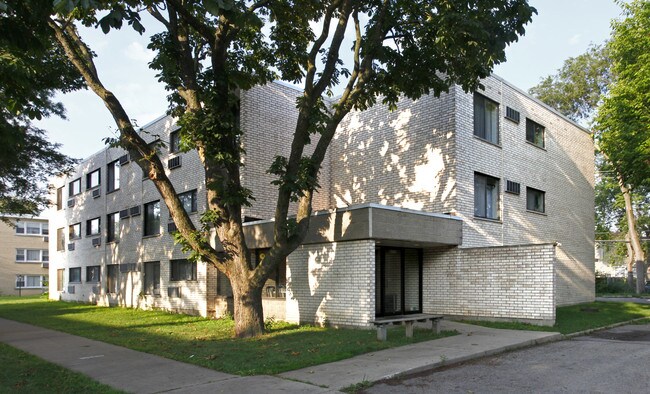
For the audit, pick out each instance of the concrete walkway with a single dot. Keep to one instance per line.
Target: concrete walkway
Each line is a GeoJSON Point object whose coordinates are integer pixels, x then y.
{"type": "Point", "coordinates": [637, 300]}
{"type": "Point", "coordinates": [138, 372]}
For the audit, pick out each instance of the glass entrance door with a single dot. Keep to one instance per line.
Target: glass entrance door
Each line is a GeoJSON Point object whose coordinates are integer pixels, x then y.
{"type": "Point", "coordinates": [398, 281]}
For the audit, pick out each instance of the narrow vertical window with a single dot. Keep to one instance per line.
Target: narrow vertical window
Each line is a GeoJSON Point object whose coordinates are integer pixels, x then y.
{"type": "Point", "coordinates": [486, 118]}
{"type": "Point", "coordinates": [152, 218]}
{"type": "Point", "coordinates": [113, 227]}
{"type": "Point", "coordinates": [152, 278]}
{"type": "Point", "coordinates": [113, 176]}
{"type": "Point", "coordinates": [486, 196]}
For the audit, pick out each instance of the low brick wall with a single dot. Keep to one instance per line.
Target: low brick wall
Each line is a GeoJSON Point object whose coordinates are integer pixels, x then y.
{"type": "Point", "coordinates": [499, 283]}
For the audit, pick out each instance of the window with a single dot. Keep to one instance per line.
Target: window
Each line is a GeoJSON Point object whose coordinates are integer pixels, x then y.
{"type": "Point", "coordinates": [183, 270]}
{"type": "Point", "coordinates": [60, 239]}
{"type": "Point", "coordinates": [188, 199]}
{"type": "Point", "coordinates": [75, 275]}
{"type": "Point", "coordinates": [92, 273]}
{"type": "Point", "coordinates": [31, 281]}
{"type": "Point", "coordinates": [113, 227]}
{"type": "Point", "coordinates": [92, 179]}
{"type": "Point", "coordinates": [275, 286]}
{"type": "Point", "coordinates": [32, 255]}
{"type": "Point", "coordinates": [113, 176]}
{"type": "Point", "coordinates": [74, 231]}
{"type": "Point", "coordinates": [112, 271]}
{"type": "Point", "coordinates": [486, 118]}
{"type": "Point", "coordinates": [535, 200]}
{"type": "Point", "coordinates": [93, 227]}
{"type": "Point", "coordinates": [486, 196]}
{"type": "Point", "coordinates": [534, 133]}
{"type": "Point", "coordinates": [74, 187]}
{"type": "Point", "coordinates": [152, 218]}
{"type": "Point", "coordinates": [59, 199]}
{"type": "Point", "coordinates": [152, 278]}
{"type": "Point", "coordinates": [174, 141]}
{"type": "Point", "coordinates": [25, 227]}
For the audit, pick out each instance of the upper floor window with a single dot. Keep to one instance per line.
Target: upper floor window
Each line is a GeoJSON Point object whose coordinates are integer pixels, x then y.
{"type": "Point", "coordinates": [486, 118]}
{"type": "Point", "coordinates": [92, 179]}
{"type": "Point", "coordinates": [25, 227]}
{"type": "Point", "coordinates": [152, 218]}
{"type": "Point", "coordinates": [60, 239]}
{"type": "Point", "coordinates": [535, 200]}
{"type": "Point", "coordinates": [113, 176]}
{"type": "Point", "coordinates": [113, 227]}
{"type": "Point", "coordinates": [31, 281]}
{"type": "Point", "coordinates": [59, 199]}
{"type": "Point", "coordinates": [486, 196]}
{"type": "Point", "coordinates": [74, 187]}
{"type": "Point", "coordinates": [93, 226]}
{"type": "Point", "coordinates": [188, 199]}
{"type": "Point", "coordinates": [174, 141]}
{"type": "Point", "coordinates": [534, 133]}
{"type": "Point", "coordinates": [32, 255]}
{"type": "Point", "coordinates": [74, 231]}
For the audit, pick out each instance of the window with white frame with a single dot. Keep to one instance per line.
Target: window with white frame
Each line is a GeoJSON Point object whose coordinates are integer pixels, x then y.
{"type": "Point", "coordinates": [486, 196]}
{"type": "Point", "coordinates": [26, 227]}
{"type": "Point", "coordinates": [32, 255]}
{"type": "Point", "coordinates": [32, 281]}
{"type": "Point", "coordinates": [535, 200]}
{"type": "Point", "coordinates": [486, 118]}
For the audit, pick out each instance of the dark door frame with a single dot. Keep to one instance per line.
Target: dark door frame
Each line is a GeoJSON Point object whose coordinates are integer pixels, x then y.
{"type": "Point", "coordinates": [382, 280]}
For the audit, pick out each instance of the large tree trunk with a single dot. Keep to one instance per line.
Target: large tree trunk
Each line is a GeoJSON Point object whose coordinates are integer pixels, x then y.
{"type": "Point", "coordinates": [249, 316]}
{"type": "Point", "coordinates": [635, 242]}
{"type": "Point", "coordinates": [629, 261]}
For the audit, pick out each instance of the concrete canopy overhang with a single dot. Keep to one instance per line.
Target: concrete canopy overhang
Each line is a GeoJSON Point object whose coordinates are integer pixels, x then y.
{"type": "Point", "coordinates": [390, 226]}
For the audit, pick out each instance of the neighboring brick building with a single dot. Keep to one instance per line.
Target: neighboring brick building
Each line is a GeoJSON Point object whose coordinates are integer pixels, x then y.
{"type": "Point", "coordinates": [24, 255]}
{"type": "Point", "coordinates": [476, 205]}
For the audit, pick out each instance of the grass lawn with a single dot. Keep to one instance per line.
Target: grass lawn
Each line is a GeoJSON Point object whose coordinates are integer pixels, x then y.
{"type": "Point", "coordinates": [205, 342]}
{"type": "Point", "coordinates": [575, 318]}
{"type": "Point", "coordinates": [23, 373]}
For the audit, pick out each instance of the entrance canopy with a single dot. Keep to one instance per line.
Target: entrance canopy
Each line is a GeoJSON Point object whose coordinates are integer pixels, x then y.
{"type": "Point", "coordinates": [387, 225]}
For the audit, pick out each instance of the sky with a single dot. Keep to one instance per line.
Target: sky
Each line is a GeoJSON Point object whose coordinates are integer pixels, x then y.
{"type": "Point", "coordinates": [561, 29]}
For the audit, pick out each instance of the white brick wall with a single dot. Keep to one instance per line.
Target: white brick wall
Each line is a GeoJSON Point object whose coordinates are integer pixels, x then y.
{"type": "Point", "coordinates": [332, 284]}
{"type": "Point", "coordinates": [510, 282]}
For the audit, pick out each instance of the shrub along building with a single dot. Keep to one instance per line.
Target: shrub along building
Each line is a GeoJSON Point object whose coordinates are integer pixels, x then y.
{"type": "Point", "coordinates": [470, 204]}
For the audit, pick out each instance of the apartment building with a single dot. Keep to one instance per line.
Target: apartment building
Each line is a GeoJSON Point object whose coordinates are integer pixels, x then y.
{"type": "Point", "coordinates": [470, 204]}
{"type": "Point", "coordinates": [24, 255]}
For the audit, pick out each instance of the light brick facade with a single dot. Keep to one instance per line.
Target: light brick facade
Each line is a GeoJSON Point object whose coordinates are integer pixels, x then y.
{"type": "Point", "coordinates": [390, 180]}
{"type": "Point", "coordinates": [23, 253]}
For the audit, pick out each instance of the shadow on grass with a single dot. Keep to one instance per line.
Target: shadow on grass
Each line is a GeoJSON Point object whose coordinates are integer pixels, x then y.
{"type": "Point", "coordinates": [206, 342]}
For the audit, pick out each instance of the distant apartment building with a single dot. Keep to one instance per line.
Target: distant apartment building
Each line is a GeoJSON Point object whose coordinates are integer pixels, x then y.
{"type": "Point", "coordinates": [24, 255]}
{"type": "Point", "coordinates": [475, 205]}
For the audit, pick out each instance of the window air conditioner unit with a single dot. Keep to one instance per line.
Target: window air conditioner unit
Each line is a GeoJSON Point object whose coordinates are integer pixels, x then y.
{"type": "Point", "coordinates": [71, 289]}
{"type": "Point", "coordinates": [71, 246]}
{"type": "Point", "coordinates": [174, 162]}
{"type": "Point", "coordinates": [171, 227]}
{"type": "Point", "coordinates": [135, 211]}
{"type": "Point", "coordinates": [97, 192]}
{"type": "Point", "coordinates": [45, 265]}
{"type": "Point", "coordinates": [174, 292]}
{"type": "Point", "coordinates": [124, 214]}
{"type": "Point", "coordinates": [46, 239]}
{"type": "Point", "coordinates": [124, 159]}
{"type": "Point", "coordinates": [71, 203]}
{"type": "Point", "coordinates": [97, 241]}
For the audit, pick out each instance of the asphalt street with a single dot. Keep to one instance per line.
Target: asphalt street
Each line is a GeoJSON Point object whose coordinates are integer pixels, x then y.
{"type": "Point", "coordinates": [611, 361]}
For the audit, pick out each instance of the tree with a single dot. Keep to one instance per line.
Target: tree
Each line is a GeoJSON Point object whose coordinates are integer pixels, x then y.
{"type": "Point", "coordinates": [32, 68]}
{"type": "Point", "coordinates": [211, 49]}
{"type": "Point", "coordinates": [623, 120]}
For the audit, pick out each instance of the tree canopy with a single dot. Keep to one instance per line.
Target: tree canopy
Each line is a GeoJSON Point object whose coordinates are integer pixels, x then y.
{"type": "Point", "coordinates": [32, 69]}
{"type": "Point", "coordinates": [210, 50]}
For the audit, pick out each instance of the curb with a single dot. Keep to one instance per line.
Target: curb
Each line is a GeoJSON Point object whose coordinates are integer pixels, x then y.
{"type": "Point", "coordinates": [613, 325]}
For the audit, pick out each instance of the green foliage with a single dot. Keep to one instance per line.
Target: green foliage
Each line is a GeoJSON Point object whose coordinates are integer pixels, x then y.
{"type": "Point", "coordinates": [578, 87]}
{"type": "Point", "coordinates": [612, 286]}
{"type": "Point", "coordinates": [24, 373]}
{"type": "Point", "coordinates": [32, 69]}
{"type": "Point", "coordinates": [623, 121]}
{"type": "Point", "coordinates": [206, 342]}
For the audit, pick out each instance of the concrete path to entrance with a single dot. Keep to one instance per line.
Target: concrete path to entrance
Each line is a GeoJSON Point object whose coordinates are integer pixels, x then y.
{"type": "Point", "coordinates": [139, 372]}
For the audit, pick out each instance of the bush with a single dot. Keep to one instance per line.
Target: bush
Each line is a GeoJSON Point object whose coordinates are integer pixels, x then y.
{"type": "Point", "coordinates": [612, 285]}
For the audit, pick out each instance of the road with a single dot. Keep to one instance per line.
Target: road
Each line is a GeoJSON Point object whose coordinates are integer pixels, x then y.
{"type": "Point", "coordinates": [612, 361]}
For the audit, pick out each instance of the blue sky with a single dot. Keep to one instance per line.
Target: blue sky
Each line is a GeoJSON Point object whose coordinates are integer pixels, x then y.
{"type": "Point", "coordinates": [562, 29]}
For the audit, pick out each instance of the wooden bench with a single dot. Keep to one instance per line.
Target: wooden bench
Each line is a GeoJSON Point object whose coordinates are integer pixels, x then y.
{"type": "Point", "coordinates": [408, 321]}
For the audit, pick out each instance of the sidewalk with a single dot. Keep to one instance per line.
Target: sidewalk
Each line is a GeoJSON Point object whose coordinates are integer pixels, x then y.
{"type": "Point", "coordinates": [138, 372]}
